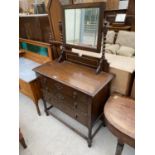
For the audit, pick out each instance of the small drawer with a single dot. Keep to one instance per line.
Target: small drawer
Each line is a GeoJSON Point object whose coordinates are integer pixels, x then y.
{"type": "Point", "coordinates": [75, 115]}
{"type": "Point", "coordinates": [66, 104]}
{"type": "Point", "coordinates": [81, 107]}
{"type": "Point", "coordinates": [81, 118]}
{"type": "Point", "coordinates": [50, 84]}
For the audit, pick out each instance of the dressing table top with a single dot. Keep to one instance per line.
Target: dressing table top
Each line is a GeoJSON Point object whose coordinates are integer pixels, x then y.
{"type": "Point", "coordinates": [76, 76]}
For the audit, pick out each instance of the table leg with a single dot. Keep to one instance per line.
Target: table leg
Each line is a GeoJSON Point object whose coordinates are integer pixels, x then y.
{"type": "Point", "coordinates": [21, 140]}
{"type": "Point", "coordinates": [37, 107]}
{"type": "Point", "coordinates": [119, 148]}
{"type": "Point", "coordinates": [45, 107]}
{"type": "Point", "coordinates": [90, 137]}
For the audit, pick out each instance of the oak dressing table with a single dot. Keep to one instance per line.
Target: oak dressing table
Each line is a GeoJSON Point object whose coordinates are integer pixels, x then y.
{"type": "Point", "coordinates": [71, 83]}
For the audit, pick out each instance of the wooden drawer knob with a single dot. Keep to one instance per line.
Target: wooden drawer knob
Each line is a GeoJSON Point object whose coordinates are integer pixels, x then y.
{"type": "Point", "coordinates": [74, 94]}
{"type": "Point", "coordinates": [75, 105]}
{"type": "Point", "coordinates": [46, 88]}
{"type": "Point", "coordinates": [60, 97]}
{"type": "Point", "coordinates": [76, 116]}
{"type": "Point", "coordinates": [58, 86]}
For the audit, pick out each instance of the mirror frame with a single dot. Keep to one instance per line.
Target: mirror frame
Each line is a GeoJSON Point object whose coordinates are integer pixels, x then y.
{"type": "Point", "coordinates": [102, 7]}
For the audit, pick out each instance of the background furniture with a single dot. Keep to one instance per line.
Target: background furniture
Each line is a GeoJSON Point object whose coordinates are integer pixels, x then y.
{"type": "Point", "coordinates": [77, 91]}
{"type": "Point", "coordinates": [111, 13]}
{"type": "Point", "coordinates": [120, 52]}
{"type": "Point", "coordinates": [22, 140]}
{"type": "Point", "coordinates": [119, 113]}
{"type": "Point", "coordinates": [34, 27]}
{"type": "Point", "coordinates": [28, 82]}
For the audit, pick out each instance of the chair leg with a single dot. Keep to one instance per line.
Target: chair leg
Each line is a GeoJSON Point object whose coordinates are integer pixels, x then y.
{"type": "Point", "coordinates": [119, 148]}
{"type": "Point", "coordinates": [45, 107]}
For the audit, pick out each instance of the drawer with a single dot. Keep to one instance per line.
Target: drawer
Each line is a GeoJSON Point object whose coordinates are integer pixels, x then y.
{"type": "Point", "coordinates": [50, 84]}
{"type": "Point", "coordinates": [57, 98]}
{"type": "Point", "coordinates": [66, 104]}
{"type": "Point", "coordinates": [75, 115]}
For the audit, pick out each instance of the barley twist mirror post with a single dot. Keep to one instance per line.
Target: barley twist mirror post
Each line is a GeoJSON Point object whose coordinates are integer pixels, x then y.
{"type": "Point", "coordinates": [103, 62]}
{"type": "Point", "coordinates": [62, 54]}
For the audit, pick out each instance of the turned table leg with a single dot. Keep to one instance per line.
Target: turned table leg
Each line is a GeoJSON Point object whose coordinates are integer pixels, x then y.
{"type": "Point", "coordinates": [90, 137]}
{"type": "Point", "coordinates": [21, 140]}
{"type": "Point", "coordinates": [119, 148]}
{"type": "Point", "coordinates": [37, 107]}
{"type": "Point", "coordinates": [45, 107]}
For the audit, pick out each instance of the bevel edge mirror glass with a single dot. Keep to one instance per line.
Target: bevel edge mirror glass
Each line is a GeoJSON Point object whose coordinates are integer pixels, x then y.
{"type": "Point", "coordinates": [81, 27]}
{"type": "Point", "coordinates": [100, 7]}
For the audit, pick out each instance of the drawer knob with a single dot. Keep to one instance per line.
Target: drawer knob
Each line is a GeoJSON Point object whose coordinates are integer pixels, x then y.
{"type": "Point", "coordinates": [46, 88]}
{"type": "Point", "coordinates": [75, 104]}
{"type": "Point", "coordinates": [43, 80]}
{"type": "Point", "coordinates": [60, 97]}
{"type": "Point", "coordinates": [58, 86]}
{"type": "Point", "coordinates": [76, 116]}
{"type": "Point", "coordinates": [74, 94]}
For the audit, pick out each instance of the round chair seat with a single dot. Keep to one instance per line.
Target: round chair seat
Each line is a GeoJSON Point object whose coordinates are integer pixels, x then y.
{"type": "Point", "coordinates": [119, 114]}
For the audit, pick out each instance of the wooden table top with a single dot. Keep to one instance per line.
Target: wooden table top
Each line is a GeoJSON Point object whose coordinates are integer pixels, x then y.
{"type": "Point", "coordinates": [120, 113]}
{"type": "Point", "coordinates": [77, 76]}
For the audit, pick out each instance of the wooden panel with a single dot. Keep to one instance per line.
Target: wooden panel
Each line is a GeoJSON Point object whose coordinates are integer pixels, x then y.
{"type": "Point", "coordinates": [25, 88]}
{"type": "Point", "coordinates": [29, 27]}
{"type": "Point", "coordinates": [45, 29]}
{"type": "Point", "coordinates": [112, 5]}
{"type": "Point", "coordinates": [99, 102]}
{"type": "Point", "coordinates": [31, 89]}
{"type": "Point", "coordinates": [34, 28]}
{"type": "Point", "coordinates": [84, 60]}
{"type": "Point", "coordinates": [34, 56]}
{"type": "Point", "coordinates": [131, 14]}
{"type": "Point", "coordinates": [131, 7]}
{"type": "Point", "coordinates": [54, 12]}
{"type": "Point", "coordinates": [33, 42]}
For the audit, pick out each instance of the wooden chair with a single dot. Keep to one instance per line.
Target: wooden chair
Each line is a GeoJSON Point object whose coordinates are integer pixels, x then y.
{"type": "Point", "coordinates": [31, 87]}
{"type": "Point", "coordinates": [119, 114]}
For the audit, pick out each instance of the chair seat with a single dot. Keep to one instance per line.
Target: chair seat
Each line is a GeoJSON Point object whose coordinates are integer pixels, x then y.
{"type": "Point", "coordinates": [120, 113]}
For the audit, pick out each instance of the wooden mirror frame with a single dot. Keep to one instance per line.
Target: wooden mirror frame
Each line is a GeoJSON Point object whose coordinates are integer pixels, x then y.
{"type": "Point", "coordinates": [101, 6]}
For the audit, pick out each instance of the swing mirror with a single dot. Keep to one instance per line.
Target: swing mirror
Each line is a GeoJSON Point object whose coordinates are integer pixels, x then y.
{"type": "Point", "coordinates": [83, 26]}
